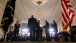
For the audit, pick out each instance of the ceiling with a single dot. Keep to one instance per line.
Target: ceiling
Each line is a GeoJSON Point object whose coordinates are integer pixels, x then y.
{"type": "Point", "coordinates": [48, 11]}
{"type": "Point", "coordinates": [51, 10]}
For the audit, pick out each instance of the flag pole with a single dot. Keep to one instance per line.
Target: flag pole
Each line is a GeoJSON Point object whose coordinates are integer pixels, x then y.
{"type": "Point", "coordinates": [5, 34]}
{"type": "Point", "coordinates": [5, 37]}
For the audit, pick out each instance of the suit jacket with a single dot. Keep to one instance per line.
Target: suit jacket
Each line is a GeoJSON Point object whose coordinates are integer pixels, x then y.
{"type": "Point", "coordinates": [16, 27]}
{"type": "Point", "coordinates": [55, 27]}
{"type": "Point", "coordinates": [32, 22]}
{"type": "Point", "coordinates": [38, 25]}
{"type": "Point", "coordinates": [46, 26]}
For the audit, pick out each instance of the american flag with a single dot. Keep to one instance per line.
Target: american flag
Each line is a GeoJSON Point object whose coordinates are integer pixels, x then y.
{"type": "Point", "coordinates": [67, 15]}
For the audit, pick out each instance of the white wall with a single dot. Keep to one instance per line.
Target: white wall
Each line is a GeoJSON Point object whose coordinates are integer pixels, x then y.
{"type": "Point", "coordinates": [1, 11]}
{"type": "Point", "coordinates": [74, 22]}
{"type": "Point", "coordinates": [59, 24]}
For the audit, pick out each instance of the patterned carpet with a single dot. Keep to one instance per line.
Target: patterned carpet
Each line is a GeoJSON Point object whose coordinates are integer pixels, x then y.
{"type": "Point", "coordinates": [37, 42]}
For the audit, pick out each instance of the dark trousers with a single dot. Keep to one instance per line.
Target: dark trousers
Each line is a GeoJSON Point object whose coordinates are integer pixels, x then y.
{"type": "Point", "coordinates": [16, 35]}
{"type": "Point", "coordinates": [72, 37]}
{"type": "Point", "coordinates": [40, 36]}
{"type": "Point", "coordinates": [47, 36]}
{"type": "Point", "coordinates": [32, 34]}
{"type": "Point", "coordinates": [37, 34]}
{"type": "Point", "coordinates": [66, 38]}
{"type": "Point", "coordinates": [56, 37]}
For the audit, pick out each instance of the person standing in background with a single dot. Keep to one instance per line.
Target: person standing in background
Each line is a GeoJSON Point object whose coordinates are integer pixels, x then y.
{"type": "Point", "coordinates": [37, 30]}
{"type": "Point", "coordinates": [40, 31]}
{"type": "Point", "coordinates": [32, 25]}
{"type": "Point", "coordinates": [16, 31]}
{"type": "Point", "coordinates": [56, 30]}
{"type": "Point", "coordinates": [46, 30]}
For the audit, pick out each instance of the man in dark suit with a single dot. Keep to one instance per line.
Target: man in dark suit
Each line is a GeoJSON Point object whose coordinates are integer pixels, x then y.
{"type": "Point", "coordinates": [37, 30]}
{"type": "Point", "coordinates": [16, 30]}
{"type": "Point", "coordinates": [32, 24]}
{"type": "Point", "coordinates": [56, 30]}
{"type": "Point", "coordinates": [46, 30]}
